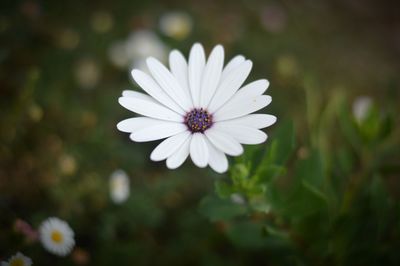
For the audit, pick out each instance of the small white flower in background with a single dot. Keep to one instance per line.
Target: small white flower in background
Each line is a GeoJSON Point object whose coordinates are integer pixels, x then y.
{"type": "Point", "coordinates": [117, 54]}
{"type": "Point", "coordinates": [238, 199]}
{"type": "Point", "coordinates": [136, 48]}
{"type": "Point", "coordinates": [87, 73]}
{"type": "Point", "coordinates": [361, 106]}
{"type": "Point", "coordinates": [119, 186]}
{"type": "Point", "coordinates": [198, 107]}
{"type": "Point", "coordinates": [68, 39]}
{"type": "Point", "coordinates": [56, 236]}
{"type": "Point", "coordinates": [177, 25]}
{"type": "Point", "coordinates": [102, 21]}
{"type": "Point", "coordinates": [18, 259]}
{"type": "Point", "coordinates": [145, 43]}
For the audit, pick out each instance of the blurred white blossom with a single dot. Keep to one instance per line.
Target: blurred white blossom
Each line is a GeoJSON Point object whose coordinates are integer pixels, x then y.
{"type": "Point", "coordinates": [18, 259]}
{"type": "Point", "coordinates": [35, 112]}
{"type": "Point", "coordinates": [177, 25]}
{"type": "Point", "coordinates": [68, 39]}
{"type": "Point", "coordinates": [119, 186]}
{"type": "Point", "coordinates": [67, 164]}
{"type": "Point", "coordinates": [56, 236]}
{"type": "Point", "coordinates": [87, 73]}
{"type": "Point", "coordinates": [136, 48]}
{"type": "Point", "coordinates": [102, 22]}
{"type": "Point", "coordinates": [237, 199]}
{"type": "Point", "coordinates": [117, 54]}
{"type": "Point", "coordinates": [145, 43]}
{"type": "Point", "coordinates": [361, 106]}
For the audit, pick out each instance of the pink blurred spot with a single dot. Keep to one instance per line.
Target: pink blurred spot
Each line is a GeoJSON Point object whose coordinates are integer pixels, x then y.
{"type": "Point", "coordinates": [26, 229]}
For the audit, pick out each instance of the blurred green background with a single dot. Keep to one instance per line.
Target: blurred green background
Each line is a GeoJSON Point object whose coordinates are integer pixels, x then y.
{"type": "Point", "coordinates": [323, 190]}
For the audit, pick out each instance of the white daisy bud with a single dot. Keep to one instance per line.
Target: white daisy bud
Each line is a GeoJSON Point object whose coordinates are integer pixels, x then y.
{"type": "Point", "coordinates": [119, 186]}
{"type": "Point", "coordinates": [361, 106]}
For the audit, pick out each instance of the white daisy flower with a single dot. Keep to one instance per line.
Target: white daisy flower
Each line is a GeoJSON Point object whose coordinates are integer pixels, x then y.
{"type": "Point", "coordinates": [198, 107]}
{"type": "Point", "coordinates": [56, 236]}
{"type": "Point", "coordinates": [17, 260]}
{"type": "Point", "coordinates": [119, 186]}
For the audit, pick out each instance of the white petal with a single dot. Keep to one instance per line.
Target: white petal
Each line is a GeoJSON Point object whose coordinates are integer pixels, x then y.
{"type": "Point", "coordinates": [136, 94]}
{"type": "Point", "coordinates": [169, 146]}
{"type": "Point", "coordinates": [253, 120]}
{"type": "Point", "coordinates": [158, 131]}
{"type": "Point", "coordinates": [136, 123]}
{"type": "Point", "coordinates": [197, 62]}
{"type": "Point", "coordinates": [224, 142]}
{"type": "Point", "coordinates": [169, 83]}
{"type": "Point", "coordinates": [234, 109]}
{"type": "Point", "coordinates": [211, 75]}
{"type": "Point", "coordinates": [179, 69]}
{"type": "Point", "coordinates": [199, 150]}
{"type": "Point", "coordinates": [149, 107]}
{"type": "Point", "coordinates": [230, 85]}
{"type": "Point", "coordinates": [149, 85]}
{"type": "Point", "coordinates": [247, 94]}
{"type": "Point", "coordinates": [180, 155]}
{"type": "Point", "coordinates": [252, 89]}
{"type": "Point", "coordinates": [131, 124]}
{"type": "Point", "coordinates": [243, 134]}
{"type": "Point", "coordinates": [217, 159]}
{"type": "Point", "coordinates": [235, 62]}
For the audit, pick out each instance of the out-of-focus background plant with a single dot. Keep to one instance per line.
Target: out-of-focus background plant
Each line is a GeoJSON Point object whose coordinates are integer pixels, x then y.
{"type": "Point", "coordinates": [323, 190]}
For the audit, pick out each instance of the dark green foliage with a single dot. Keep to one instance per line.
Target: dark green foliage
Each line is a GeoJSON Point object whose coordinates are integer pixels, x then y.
{"type": "Point", "coordinates": [323, 190]}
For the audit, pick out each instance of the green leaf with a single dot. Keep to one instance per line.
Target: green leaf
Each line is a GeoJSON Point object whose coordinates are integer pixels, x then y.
{"type": "Point", "coordinates": [314, 190]}
{"type": "Point", "coordinates": [369, 128]}
{"type": "Point", "coordinates": [387, 126]}
{"type": "Point", "coordinates": [216, 209]}
{"type": "Point", "coordinates": [267, 173]}
{"type": "Point", "coordinates": [311, 169]}
{"type": "Point", "coordinates": [380, 201]}
{"type": "Point", "coordinates": [307, 194]}
{"type": "Point", "coordinates": [283, 144]}
{"type": "Point", "coordinates": [223, 189]}
{"type": "Point", "coordinates": [239, 174]}
{"type": "Point", "coordinates": [345, 160]}
{"type": "Point", "coordinates": [260, 204]}
{"type": "Point", "coordinates": [348, 127]}
{"type": "Point", "coordinates": [269, 230]}
{"type": "Point", "coordinates": [247, 235]}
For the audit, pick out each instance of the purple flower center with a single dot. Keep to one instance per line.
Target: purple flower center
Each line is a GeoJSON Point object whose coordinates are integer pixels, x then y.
{"type": "Point", "coordinates": [198, 120]}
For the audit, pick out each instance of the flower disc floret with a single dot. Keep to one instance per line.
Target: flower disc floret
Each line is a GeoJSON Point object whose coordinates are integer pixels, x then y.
{"type": "Point", "coordinates": [198, 120]}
